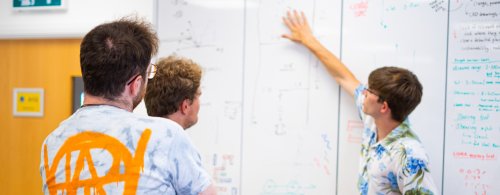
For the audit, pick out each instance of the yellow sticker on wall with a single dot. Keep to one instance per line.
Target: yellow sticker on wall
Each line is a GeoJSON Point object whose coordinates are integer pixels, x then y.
{"type": "Point", "coordinates": [28, 102]}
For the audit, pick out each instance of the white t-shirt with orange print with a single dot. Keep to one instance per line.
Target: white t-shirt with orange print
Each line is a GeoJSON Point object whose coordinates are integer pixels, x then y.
{"type": "Point", "coordinates": [107, 150]}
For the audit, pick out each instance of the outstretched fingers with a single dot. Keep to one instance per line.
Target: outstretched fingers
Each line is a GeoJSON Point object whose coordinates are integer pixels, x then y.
{"type": "Point", "coordinates": [291, 24]}
{"type": "Point", "coordinates": [298, 26]}
{"type": "Point", "coordinates": [291, 19]}
{"type": "Point", "coordinates": [304, 19]}
{"type": "Point", "coordinates": [297, 18]}
{"type": "Point", "coordinates": [288, 23]}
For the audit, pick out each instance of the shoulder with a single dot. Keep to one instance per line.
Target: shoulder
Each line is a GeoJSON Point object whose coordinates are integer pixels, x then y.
{"type": "Point", "coordinates": [124, 126]}
{"type": "Point", "coordinates": [410, 156]}
{"type": "Point", "coordinates": [405, 141]}
{"type": "Point", "coordinates": [407, 149]}
{"type": "Point", "coordinates": [410, 147]}
{"type": "Point", "coordinates": [156, 122]}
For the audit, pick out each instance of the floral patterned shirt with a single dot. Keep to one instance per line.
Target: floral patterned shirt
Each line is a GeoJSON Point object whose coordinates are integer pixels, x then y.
{"type": "Point", "coordinates": [107, 150]}
{"type": "Point", "coordinates": [397, 164]}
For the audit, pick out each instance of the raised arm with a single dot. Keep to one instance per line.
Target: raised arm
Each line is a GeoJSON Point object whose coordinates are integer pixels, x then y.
{"type": "Point", "coordinates": [301, 33]}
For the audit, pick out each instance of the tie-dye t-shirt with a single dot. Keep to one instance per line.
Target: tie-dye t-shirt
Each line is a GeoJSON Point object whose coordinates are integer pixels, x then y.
{"type": "Point", "coordinates": [107, 150]}
{"type": "Point", "coordinates": [397, 164]}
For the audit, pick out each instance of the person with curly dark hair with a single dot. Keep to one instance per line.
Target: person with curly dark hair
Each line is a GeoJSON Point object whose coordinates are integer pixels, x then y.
{"type": "Point", "coordinates": [104, 148]}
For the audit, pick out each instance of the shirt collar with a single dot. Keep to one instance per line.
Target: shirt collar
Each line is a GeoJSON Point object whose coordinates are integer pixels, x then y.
{"type": "Point", "coordinates": [401, 131]}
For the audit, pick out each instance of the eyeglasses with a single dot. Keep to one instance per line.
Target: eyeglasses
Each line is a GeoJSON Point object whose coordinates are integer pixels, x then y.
{"type": "Point", "coordinates": [151, 73]}
{"type": "Point", "coordinates": [381, 98]}
{"type": "Point", "coordinates": [132, 79]}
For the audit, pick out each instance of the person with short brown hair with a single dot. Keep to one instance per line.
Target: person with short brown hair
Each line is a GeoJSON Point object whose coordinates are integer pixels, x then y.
{"type": "Point", "coordinates": [115, 53]}
{"type": "Point", "coordinates": [393, 160]}
{"type": "Point", "coordinates": [399, 87]}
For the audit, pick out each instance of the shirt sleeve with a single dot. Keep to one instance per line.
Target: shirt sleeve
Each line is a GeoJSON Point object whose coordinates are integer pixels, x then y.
{"type": "Point", "coordinates": [359, 98]}
{"type": "Point", "coordinates": [414, 176]}
{"type": "Point", "coordinates": [189, 175]}
{"type": "Point", "coordinates": [42, 171]}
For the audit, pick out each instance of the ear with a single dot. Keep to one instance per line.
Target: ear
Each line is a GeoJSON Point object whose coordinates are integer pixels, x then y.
{"type": "Point", "coordinates": [135, 86]}
{"type": "Point", "coordinates": [385, 108]}
{"type": "Point", "coordinates": [184, 107]}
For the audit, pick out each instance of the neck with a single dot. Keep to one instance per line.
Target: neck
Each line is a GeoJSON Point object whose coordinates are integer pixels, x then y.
{"type": "Point", "coordinates": [177, 117]}
{"type": "Point", "coordinates": [385, 126]}
{"type": "Point", "coordinates": [119, 103]}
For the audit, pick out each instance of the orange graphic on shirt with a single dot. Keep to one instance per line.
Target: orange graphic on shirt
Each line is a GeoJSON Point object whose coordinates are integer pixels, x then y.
{"type": "Point", "coordinates": [83, 143]}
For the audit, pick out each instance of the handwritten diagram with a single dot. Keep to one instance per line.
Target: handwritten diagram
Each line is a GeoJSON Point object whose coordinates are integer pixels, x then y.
{"type": "Point", "coordinates": [285, 86]}
{"type": "Point", "coordinates": [213, 38]}
{"type": "Point", "coordinates": [273, 121]}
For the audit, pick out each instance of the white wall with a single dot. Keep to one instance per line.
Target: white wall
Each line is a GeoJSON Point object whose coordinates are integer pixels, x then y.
{"type": "Point", "coordinates": [79, 17]}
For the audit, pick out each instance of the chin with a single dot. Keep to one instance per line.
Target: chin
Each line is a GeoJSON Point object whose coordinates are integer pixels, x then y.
{"type": "Point", "coordinates": [191, 124]}
{"type": "Point", "coordinates": [188, 126]}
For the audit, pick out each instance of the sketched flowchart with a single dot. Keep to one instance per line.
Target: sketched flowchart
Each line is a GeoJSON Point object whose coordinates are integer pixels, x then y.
{"type": "Point", "coordinates": [212, 37]}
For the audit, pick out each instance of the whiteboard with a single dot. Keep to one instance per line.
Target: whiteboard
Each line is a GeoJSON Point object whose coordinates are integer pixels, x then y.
{"type": "Point", "coordinates": [290, 103]}
{"type": "Point", "coordinates": [473, 99]}
{"type": "Point", "coordinates": [272, 121]}
{"type": "Point", "coordinates": [211, 33]}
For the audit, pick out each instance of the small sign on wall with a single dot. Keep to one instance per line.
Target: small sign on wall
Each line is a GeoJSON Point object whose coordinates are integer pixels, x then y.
{"type": "Point", "coordinates": [39, 4]}
{"type": "Point", "coordinates": [28, 102]}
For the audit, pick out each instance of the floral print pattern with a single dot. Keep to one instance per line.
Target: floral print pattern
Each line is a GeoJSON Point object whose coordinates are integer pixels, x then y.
{"type": "Point", "coordinates": [397, 164]}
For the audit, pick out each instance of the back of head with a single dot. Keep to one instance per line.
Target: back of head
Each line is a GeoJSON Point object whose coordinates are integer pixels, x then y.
{"type": "Point", "coordinates": [176, 80]}
{"type": "Point", "coordinates": [399, 87]}
{"type": "Point", "coordinates": [112, 53]}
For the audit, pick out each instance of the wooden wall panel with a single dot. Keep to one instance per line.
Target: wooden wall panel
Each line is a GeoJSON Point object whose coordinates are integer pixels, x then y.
{"type": "Point", "coordinates": [47, 64]}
